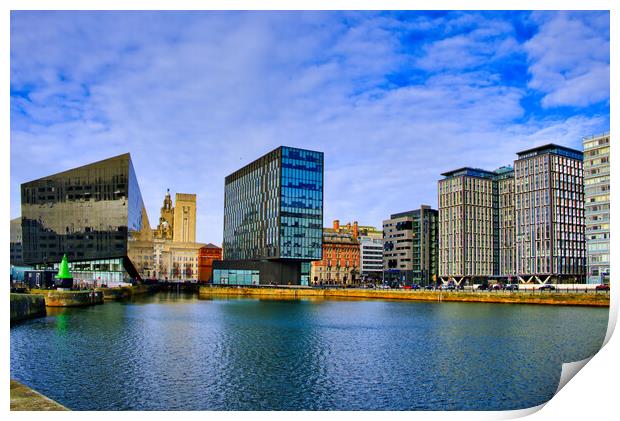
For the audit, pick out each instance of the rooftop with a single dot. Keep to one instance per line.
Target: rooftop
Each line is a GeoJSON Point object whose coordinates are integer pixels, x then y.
{"type": "Point", "coordinates": [469, 171]}
{"type": "Point", "coordinates": [550, 148]}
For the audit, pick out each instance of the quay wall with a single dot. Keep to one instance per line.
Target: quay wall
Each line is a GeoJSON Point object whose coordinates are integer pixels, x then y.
{"type": "Point", "coordinates": [505, 297]}
{"type": "Point", "coordinates": [24, 398]}
{"type": "Point", "coordinates": [26, 306]}
{"type": "Point", "coordinates": [55, 298]}
{"type": "Point", "coordinates": [119, 293]}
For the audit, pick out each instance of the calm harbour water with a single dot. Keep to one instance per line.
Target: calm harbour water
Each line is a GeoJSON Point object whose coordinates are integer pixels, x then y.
{"type": "Point", "coordinates": [178, 352]}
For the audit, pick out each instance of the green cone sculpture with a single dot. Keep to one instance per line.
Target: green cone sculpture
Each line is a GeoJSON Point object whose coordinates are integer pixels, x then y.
{"type": "Point", "coordinates": [65, 280]}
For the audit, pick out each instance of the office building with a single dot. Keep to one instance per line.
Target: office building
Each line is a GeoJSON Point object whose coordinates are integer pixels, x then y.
{"type": "Point", "coordinates": [596, 178]}
{"type": "Point", "coordinates": [550, 215]}
{"type": "Point", "coordinates": [95, 215]}
{"type": "Point", "coordinates": [371, 259]}
{"type": "Point", "coordinates": [410, 247]}
{"type": "Point", "coordinates": [340, 264]}
{"type": "Point", "coordinates": [273, 219]}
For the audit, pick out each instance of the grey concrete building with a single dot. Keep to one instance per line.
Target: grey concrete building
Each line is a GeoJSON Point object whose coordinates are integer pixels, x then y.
{"type": "Point", "coordinates": [410, 247]}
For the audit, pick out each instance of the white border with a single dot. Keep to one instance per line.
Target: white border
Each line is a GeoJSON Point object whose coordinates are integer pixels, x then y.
{"type": "Point", "coordinates": [591, 394]}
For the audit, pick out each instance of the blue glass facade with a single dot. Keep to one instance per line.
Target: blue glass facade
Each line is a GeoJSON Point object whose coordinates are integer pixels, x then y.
{"type": "Point", "coordinates": [301, 217]}
{"type": "Point", "coordinates": [273, 211]}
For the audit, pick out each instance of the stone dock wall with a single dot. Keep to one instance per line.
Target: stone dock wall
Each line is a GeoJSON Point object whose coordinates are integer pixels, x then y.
{"type": "Point", "coordinates": [120, 293]}
{"type": "Point", "coordinates": [55, 298]}
{"type": "Point", "coordinates": [505, 297]}
{"type": "Point", "coordinates": [24, 398]}
{"type": "Point", "coordinates": [26, 306]}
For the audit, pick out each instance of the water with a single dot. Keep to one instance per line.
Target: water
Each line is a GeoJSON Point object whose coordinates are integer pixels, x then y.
{"type": "Point", "coordinates": [178, 352]}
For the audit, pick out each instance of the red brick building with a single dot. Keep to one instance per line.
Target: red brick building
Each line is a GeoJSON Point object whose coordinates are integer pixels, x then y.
{"type": "Point", "coordinates": [206, 255]}
{"type": "Point", "coordinates": [341, 257]}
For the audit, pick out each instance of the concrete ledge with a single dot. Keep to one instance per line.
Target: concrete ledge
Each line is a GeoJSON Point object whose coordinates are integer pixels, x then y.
{"type": "Point", "coordinates": [26, 306]}
{"type": "Point", "coordinates": [24, 398]}
{"type": "Point", "coordinates": [55, 298]}
{"type": "Point", "coordinates": [120, 293]}
{"type": "Point", "coordinates": [503, 297]}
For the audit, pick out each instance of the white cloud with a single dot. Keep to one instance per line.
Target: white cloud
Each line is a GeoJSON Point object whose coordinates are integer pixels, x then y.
{"type": "Point", "coordinates": [195, 96]}
{"type": "Point", "coordinates": [569, 58]}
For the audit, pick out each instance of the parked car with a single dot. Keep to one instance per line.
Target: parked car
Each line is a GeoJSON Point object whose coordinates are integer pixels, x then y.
{"type": "Point", "coordinates": [602, 287]}
{"type": "Point", "coordinates": [429, 287]}
{"type": "Point", "coordinates": [546, 287]}
{"type": "Point", "coordinates": [415, 286]}
{"type": "Point", "coordinates": [512, 287]}
{"type": "Point", "coordinates": [495, 287]}
{"type": "Point", "coordinates": [482, 287]}
{"type": "Point", "coordinates": [450, 287]}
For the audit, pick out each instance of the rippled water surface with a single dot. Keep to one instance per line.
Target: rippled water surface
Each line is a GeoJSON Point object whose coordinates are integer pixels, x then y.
{"type": "Point", "coordinates": [179, 352]}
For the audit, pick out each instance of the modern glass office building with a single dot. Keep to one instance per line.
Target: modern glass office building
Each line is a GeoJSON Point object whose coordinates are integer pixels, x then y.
{"type": "Point", "coordinates": [95, 215]}
{"type": "Point", "coordinates": [273, 219]}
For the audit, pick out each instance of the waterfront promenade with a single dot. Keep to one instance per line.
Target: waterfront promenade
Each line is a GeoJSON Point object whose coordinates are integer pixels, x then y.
{"type": "Point", "coordinates": [595, 299]}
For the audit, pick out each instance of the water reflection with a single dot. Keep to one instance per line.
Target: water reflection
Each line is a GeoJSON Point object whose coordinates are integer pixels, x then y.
{"type": "Point", "coordinates": [176, 351]}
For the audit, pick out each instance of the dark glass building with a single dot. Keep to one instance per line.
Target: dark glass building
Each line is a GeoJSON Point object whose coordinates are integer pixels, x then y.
{"type": "Point", "coordinates": [95, 215]}
{"type": "Point", "coordinates": [273, 219]}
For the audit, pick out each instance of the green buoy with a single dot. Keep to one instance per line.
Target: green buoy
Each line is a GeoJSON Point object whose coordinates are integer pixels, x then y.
{"type": "Point", "coordinates": [64, 278]}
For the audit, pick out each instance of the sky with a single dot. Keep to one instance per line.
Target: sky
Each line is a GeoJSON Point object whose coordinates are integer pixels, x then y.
{"type": "Point", "coordinates": [393, 99]}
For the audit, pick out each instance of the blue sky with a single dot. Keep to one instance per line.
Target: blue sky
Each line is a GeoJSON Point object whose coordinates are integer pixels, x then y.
{"type": "Point", "coordinates": [392, 98]}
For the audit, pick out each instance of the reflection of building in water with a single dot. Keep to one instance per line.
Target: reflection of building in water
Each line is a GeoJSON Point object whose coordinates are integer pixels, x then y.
{"type": "Point", "coordinates": [94, 214]}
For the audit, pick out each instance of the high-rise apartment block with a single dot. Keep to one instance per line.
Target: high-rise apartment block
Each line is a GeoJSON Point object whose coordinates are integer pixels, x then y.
{"type": "Point", "coordinates": [505, 252]}
{"type": "Point", "coordinates": [467, 218]}
{"type": "Point", "coordinates": [524, 223]}
{"type": "Point", "coordinates": [410, 247]}
{"type": "Point", "coordinates": [550, 215]}
{"type": "Point", "coordinates": [273, 219]}
{"type": "Point", "coordinates": [596, 179]}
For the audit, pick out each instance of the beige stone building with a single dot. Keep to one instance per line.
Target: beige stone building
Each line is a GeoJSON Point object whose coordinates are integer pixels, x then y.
{"type": "Point", "coordinates": [466, 232]}
{"type": "Point", "coordinates": [175, 250]}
